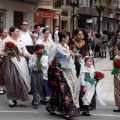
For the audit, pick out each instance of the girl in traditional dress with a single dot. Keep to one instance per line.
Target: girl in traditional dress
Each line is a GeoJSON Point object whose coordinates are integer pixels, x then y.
{"type": "Point", "coordinates": [46, 92]}
{"type": "Point", "coordinates": [3, 35]}
{"type": "Point", "coordinates": [88, 84]}
{"type": "Point", "coordinates": [117, 81]}
{"type": "Point", "coordinates": [15, 69]}
{"type": "Point", "coordinates": [61, 80]}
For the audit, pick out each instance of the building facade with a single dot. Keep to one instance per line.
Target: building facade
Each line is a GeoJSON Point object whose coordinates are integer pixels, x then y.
{"type": "Point", "coordinates": [13, 12]}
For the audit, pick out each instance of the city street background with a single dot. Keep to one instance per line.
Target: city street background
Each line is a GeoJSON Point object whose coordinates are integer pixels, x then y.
{"type": "Point", "coordinates": [24, 110]}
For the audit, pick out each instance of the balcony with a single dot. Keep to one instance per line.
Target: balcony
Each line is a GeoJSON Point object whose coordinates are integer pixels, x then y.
{"type": "Point", "coordinates": [93, 12]}
{"type": "Point", "coordinates": [87, 11]}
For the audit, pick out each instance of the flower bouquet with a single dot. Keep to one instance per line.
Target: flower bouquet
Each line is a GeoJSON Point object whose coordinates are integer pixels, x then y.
{"type": "Point", "coordinates": [11, 49]}
{"type": "Point", "coordinates": [55, 62]}
{"type": "Point", "coordinates": [98, 76]}
{"type": "Point", "coordinates": [116, 64]}
{"type": "Point", "coordinates": [39, 56]}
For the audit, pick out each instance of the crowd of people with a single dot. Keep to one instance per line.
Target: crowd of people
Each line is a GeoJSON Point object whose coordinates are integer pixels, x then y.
{"type": "Point", "coordinates": [54, 67]}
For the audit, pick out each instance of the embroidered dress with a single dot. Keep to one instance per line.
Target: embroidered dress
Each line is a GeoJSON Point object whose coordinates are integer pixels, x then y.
{"type": "Point", "coordinates": [87, 79]}
{"type": "Point", "coordinates": [64, 94]}
{"type": "Point", "coordinates": [16, 74]}
{"type": "Point", "coordinates": [117, 87]}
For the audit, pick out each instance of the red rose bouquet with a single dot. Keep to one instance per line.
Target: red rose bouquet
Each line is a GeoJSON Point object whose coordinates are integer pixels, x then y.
{"type": "Point", "coordinates": [98, 76]}
{"type": "Point", "coordinates": [55, 62]}
{"type": "Point", "coordinates": [10, 46]}
{"type": "Point", "coordinates": [71, 47]}
{"type": "Point", "coordinates": [116, 64]}
{"type": "Point", "coordinates": [39, 56]}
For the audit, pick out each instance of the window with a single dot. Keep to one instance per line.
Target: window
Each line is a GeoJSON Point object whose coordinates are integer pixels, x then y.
{"type": "Point", "coordinates": [80, 3]}
{"type": "Point", "coordinates": [2, 18]}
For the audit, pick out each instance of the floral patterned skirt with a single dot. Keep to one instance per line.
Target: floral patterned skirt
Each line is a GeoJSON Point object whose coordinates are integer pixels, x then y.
{"type": "Point", "coordinates": [61, 99]}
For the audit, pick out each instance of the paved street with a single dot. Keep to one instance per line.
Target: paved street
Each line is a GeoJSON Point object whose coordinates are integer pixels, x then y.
{"type": "Point", "coordinates": [24, 110]}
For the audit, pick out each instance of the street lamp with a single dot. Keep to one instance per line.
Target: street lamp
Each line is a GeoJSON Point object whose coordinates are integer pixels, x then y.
{"type": "Point", "coordinates": [73, 3]}
{"type": "Point", "coordinates": [99, 5]}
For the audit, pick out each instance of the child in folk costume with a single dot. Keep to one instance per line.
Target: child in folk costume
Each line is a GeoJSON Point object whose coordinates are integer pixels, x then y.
{"type": "Point", "coordinates": [116, 72]}
{"type": "Point", "coordinates": [88, 83]}
{"type": "Point", "coordinates": [36, 66]}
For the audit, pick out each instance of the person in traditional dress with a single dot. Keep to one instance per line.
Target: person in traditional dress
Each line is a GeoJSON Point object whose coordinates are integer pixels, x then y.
{"type": "Point", "coordinates": [36, 65]}
{"type": "Point", "coordinates": [61, 79]}
{"type": "Point", "coordinates": [46, 92]}
{"type": "Point", "coordinates": [15, 69]}
{"type": "Point", "coordinates": [117, 81]}
{"type": "Point", "coordinates": [3, 35]}
{"type": "Point", "coordinates": [88, 83]}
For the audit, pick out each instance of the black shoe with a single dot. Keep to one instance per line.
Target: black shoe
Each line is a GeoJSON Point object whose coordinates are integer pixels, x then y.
{"type": "Point", "coordinates": [15, 102]}
{"type": "Point", "coordinates": [86, 114]}
{"type": "Point", "coordinates": [67, 117]}
{"type": "Point", "coordinates": [50, 111]}
{"type": "Point", "coordinates": [11, 104]}
{"type": "Point", "coordinates": [35, 106]}
{"type": "Point", "coordinates": [116, 110]}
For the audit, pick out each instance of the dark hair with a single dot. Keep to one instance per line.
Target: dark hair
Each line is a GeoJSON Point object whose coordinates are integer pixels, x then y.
{"type": "Point", "coordinates": [38, 47]}
{"type": "Point", "coordinates": [61, 34]}
{"type": "Point", "coordinates": [97, 35]}
{"type": "Point", "coordinates": [23, 21]}
{"type": "Point", "coordinates": [105, 32]}
{"type": "Point", "coordinates": [44, 30]}
{"type": "Point", "coordinates": [87, 58]}
{"type": "Point", "coordinates": [57, 27]}
{"type": "Point", "coordinates": [117, 31]}
{"type": "Point", "coordinates": [12, 29]}
{"type": "Point", "coordinates": [36, 26]}
{"type": "Point", "coordinates": [1, 30]}
{"type": "Point", "coordinates": [76, 31]}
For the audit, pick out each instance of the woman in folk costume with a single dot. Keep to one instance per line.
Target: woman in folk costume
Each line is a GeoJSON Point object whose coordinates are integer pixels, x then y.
{"type": "Point", "coordinates": [61, 80]}
{"type": "Point", "coordinates": [46, 92]}
{"type": "Point", "coordinates": [88, 83]}
{"type": "Point", "coordinates": [15, 69]}
{"type": "Point", "coordinates": [116, 72]}
{"type": "Point", "coordinates": [3, 35]}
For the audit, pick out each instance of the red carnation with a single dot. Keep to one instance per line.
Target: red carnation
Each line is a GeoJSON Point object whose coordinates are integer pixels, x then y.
{"type": "Point", "coordinates": [54, 62]}
{"type": "Point", "coordinates": [10, 44]}
{"type": "Point", "coordinates": [39, 53]}
{"type": "Point", "coordinates": [71, 47]}
{"type": "Point", "coordinates": [99, 75]}
{"type": "Point", "coordinates": [117, 63]}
